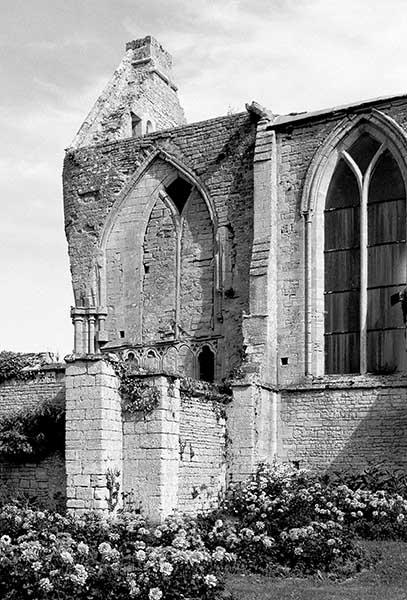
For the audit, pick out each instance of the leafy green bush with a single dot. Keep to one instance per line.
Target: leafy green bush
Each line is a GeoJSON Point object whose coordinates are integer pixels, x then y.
{"type": "Point", "coordinates": [45, 555]}
{"type": "Point", "coordinates": [13, 363]}
{"type": "Point", "coordinates": [31, 434]}
{"type": "Point", "coordinates": [137, 395]}
{"type": "Point", "coordinates": [281, 521]}
{"type": "Point", "coordinates": [276, 522]}
{"type": "Point", "coordinates": [292, 518]}
{"type": "Point", "coordinates": [374, 477]}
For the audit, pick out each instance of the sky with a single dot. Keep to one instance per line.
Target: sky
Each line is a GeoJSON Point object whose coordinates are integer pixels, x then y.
{"type": "Point", "coordinates": [57, 55]}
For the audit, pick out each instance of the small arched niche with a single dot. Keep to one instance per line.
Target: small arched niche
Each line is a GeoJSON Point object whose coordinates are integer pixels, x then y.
{"type": "Point", "coordinates": [206, 365]}
{"type": "Point", "coordinates": [149, 127]}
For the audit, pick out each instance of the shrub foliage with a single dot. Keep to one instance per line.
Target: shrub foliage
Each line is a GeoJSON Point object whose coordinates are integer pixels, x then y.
{"type": "Point", "coordinates": [282, 521]}
{"type": "Point", "coordinates": [31, 434]}
{"type": "Point", "coordinates": [12, 365]}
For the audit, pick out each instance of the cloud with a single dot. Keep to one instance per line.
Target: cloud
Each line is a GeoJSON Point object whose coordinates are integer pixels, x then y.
{"type": "Point", "coordinates": [57, 57]}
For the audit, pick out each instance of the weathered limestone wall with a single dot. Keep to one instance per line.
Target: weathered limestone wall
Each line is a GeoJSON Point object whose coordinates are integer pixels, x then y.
{"type": "Point", "coordinates": [159, 279]}
{"type": "Point", "coordinates": [220, 153]}
{"type": "Point", "coordinates": [296, 145]}
{"type": "Point", "coordinates": [344, 426]}
{"type": "Point", "coordinates": [151, 453]}
{"type": "Point", "coordinates": [47, 386]}
{"type": "Point", "coordinates": [251, 429]}
{"type": "Point", "coordinates": [142, 84]}
{"type": "Point", "coordinates": [197, 268]}
{"type": "Point", "coordinates": [45, 480]}
{"type": "Point", "coordinates": [93, 433]}
{"type": "Point", "coordinates": [202, 454]}
{"type": "Point", "coordinates": [175, 457]}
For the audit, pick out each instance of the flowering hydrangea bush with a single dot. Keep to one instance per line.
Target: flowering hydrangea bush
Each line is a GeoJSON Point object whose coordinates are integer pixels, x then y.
{"type": "Point", "coordinates": [282, 520]}
{"type": "Point", "coordinates": [47, 555]}
{"type": "Point", "coordinates": [289, 517]}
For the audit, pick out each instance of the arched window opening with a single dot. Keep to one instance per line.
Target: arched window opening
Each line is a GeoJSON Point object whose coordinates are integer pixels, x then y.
{"type": "Point", "coordinates": [365, 261]}
{"type": "Point", "coordinates": [386, 267]}
{"type": "Point", "coordinates": [342, 273]}
{"type": "Point", "coordinates": [206, 362]}
{"type": "Point", "coordinates": [363, 150]}
{"type": "Point", "coordinates": [179, 191]}
{"type": "Point", "coordinates": [135, 125]}
{"type": "Point", "coordinates": [149, 127]}
{"type": "Point", "coordinates": [132, 361]}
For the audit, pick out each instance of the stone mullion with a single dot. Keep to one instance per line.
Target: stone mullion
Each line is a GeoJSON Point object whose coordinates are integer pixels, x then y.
{"type": "Point", "coordinates": [363, 184]}
{"type": "Point", "coordinates": [178, 232]}
{"type": "Point", "coordinates": [364, 240]}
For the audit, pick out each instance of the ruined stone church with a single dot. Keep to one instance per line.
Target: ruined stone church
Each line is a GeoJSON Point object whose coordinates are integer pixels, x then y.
{"type": "Point", "coordinates": [266, 250]}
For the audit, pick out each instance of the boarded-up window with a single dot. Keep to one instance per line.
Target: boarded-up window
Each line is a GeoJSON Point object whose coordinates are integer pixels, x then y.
{"type": "Point", "coordinates": [366, 170]}
{"type": "Point", "coordinates": [342, 273]}
{"type": "Point", "coordinates": [386, 267]}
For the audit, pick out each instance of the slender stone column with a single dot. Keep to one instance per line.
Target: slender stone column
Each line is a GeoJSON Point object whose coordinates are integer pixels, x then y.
{"type": "Point", "coordinates": [91, 326]}
{"type": "Point", "coordinates": [78, 333]}
{"type": "Point", "coordinates": [101, 336]}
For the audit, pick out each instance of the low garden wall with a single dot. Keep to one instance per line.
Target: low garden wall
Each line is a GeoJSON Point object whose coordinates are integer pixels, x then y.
{"type": "Point", "coordinates": [202, 453]}
{"type": "Point", "coordinates": [42, 478]}
{"type": "Point", "coordinates": [335, 426]}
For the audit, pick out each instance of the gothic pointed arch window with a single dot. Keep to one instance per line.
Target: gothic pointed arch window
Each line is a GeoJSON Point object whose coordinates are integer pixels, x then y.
{"type": "Point", "coordinates": [179, 271]}
{"type": "Point", "coordinates": [365, 259]}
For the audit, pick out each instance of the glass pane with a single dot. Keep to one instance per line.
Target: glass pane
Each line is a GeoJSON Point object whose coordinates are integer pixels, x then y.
{"type": "Point", "coordinates": [343, 228]}
{"type": "Point", "coordinates": [363, 150]}
{"type": "Point", "coordinates": [342, 353]}
{"type": "Point", "coordinates": [386, 183]}
{"type": "Point", "coordinates": [386, 267]}
{"type": "Point", "coordinates": [342, 312]}
{"type": "Point", "coordinates": [343, 190]}
{"type": "Point", "coordinates": [386, 351]}
{"type": "Point", "coordinates": [342, 272]}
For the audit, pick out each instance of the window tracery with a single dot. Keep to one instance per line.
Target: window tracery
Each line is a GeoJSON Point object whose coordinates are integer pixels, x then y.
{"type": "Point", "coordinates": [364, 260]}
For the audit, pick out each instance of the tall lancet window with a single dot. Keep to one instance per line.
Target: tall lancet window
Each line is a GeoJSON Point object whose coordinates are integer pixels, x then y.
{"type": "Point", "coordinates": [178, 282]}
{"type": "Point", "coordinates": [365, 261]}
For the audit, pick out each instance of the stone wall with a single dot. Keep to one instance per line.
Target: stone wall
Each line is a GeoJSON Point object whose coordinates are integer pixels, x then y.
{"type": "Point", "coordinates": [159, 278]}
{"type": "Point", "coordinates": [297, 143]}
{"type": "Point", "coordinates": [46, 386]}
{"type": "Point", "coordinates": [93, 447]}
{"type": "Point", "coordinates": [336, 425]}
{"type": "Point", "coordinates": [44, 480]}
{"type": "Point", "coordinates": [151, 453]}
{"type": "Point", "coordinates": [101, 180]}
{"type": "Point", "coordinates": [197, 269]}
{"type": "Point", "coordinates": [174, 457]}
{"type": "Point", "coordinates": [202, 454]}
{"type": "Point", "coordinates": [142, 84]}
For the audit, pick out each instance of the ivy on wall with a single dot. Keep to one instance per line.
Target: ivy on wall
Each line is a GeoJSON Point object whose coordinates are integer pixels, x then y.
{"type": "Point", "coordinates": [30, 435]}
{"type": "Point", "coordinates": [218, 394]}
{"type": "Point", "coordinates": [12, 365]}
{"type": "Point", "coordinates": [137, 395]}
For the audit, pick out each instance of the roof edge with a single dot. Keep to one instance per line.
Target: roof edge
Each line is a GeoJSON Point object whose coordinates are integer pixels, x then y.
{"type": "Point", "coordinates": [292, 119]}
